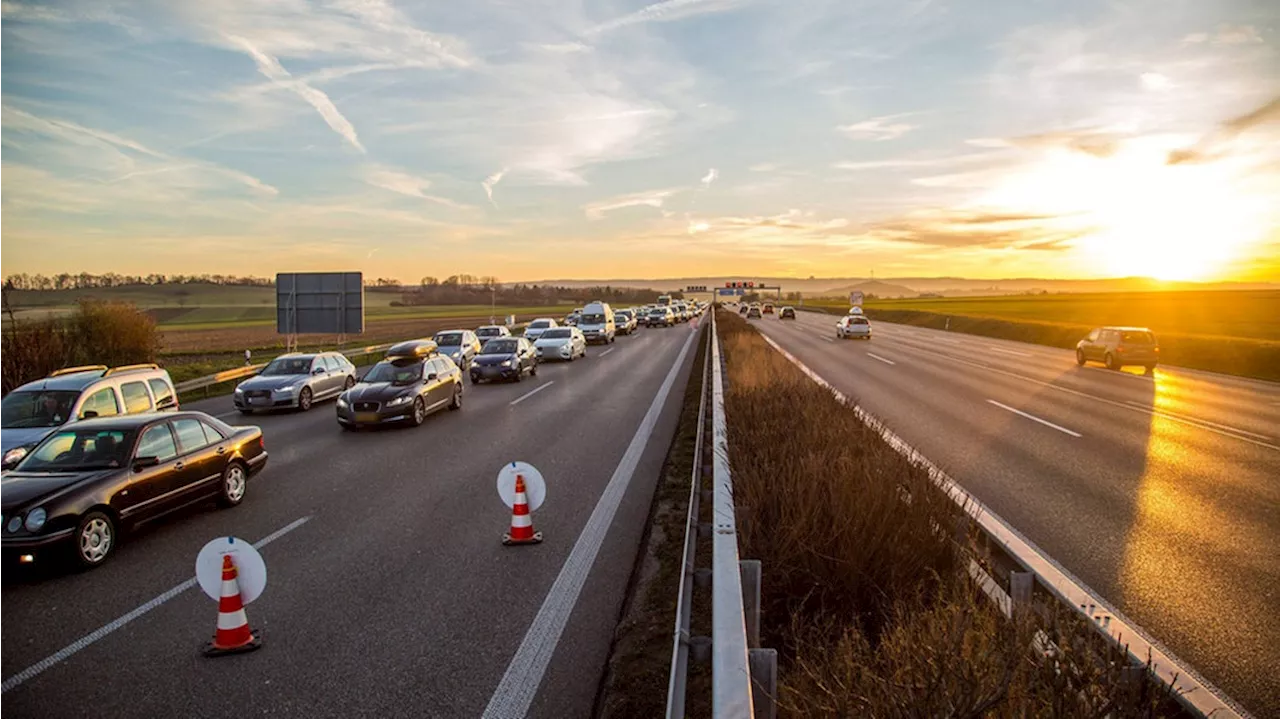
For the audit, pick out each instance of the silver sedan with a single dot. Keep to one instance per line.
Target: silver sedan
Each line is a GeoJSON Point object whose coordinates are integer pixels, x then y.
{"type": "Point", "coordinates": [295, 381]}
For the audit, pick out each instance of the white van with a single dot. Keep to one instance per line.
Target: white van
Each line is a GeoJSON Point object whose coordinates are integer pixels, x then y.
{"type": "Point", "coordinates": [597, 323]}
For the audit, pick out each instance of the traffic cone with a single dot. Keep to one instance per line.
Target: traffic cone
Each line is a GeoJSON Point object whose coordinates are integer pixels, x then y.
{"type": "Point", "coordinates": [521, 523]}
{"type": "Point", "coordinates": [233, 635]}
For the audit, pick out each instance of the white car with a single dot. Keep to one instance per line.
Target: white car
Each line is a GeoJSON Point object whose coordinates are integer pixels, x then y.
{"type": "Point", "coordinates": [853, 327]}
{"type": "Point", "coordinates": [625, 320]}
{"type": "Point", "coordinates": [561, 343]}
{"type": "Point", "coordinates": [537, 327]}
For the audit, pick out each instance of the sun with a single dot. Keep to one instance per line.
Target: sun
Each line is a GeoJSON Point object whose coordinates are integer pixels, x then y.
{"type": "Point", "coordinates": [1140, 216]}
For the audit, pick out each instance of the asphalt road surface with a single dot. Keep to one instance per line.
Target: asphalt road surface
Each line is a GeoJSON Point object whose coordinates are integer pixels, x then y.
{"type": "Point", "coordinates": [1160, 492]}
{"type": "Point", "coordinates": [389, 592]}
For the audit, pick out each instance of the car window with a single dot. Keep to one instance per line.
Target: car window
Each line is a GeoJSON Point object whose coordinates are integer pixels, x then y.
{"type": "Point", "coordinates": [136, 397]}
{"type": "Point", "coordinates": [157, 442]}
{"type": "Point", "coordinates": [211, 434]}
{"type": "Point", "coordinates": [443, 365]}
{"type": "Point", "coordinates": [286, 366]}
{"type": "Point", "coordinates": [190, 434]}
{"type": "Point", "coordinates": [160, 389]}
{"type": "Point", "coordinates": [78, 449]}
{"type": "Point", "coordinates": [103, 402]}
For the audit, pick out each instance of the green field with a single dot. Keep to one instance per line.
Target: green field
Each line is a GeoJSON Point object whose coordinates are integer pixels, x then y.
{"type": "Point", "coordinates": [1253, 314]}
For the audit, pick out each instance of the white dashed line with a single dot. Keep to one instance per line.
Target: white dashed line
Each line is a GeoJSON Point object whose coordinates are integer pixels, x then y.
{"type": "Point", "coordinates": [531, 393]}
{"type": "Point", "coordinates": [62, 654]}
{"type": "Point", "coordinates": [826, 338]}
{"type": "Point", "coordinates": [1034, 418]}
{"type": "Point", "coordinates": [1008, 352]}
{"type": "Point", "coordinates": [608, 351]}
{"type": "Point", "coordinates": [875, 356]}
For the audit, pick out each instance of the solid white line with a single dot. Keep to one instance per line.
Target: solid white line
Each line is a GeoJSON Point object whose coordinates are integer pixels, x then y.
{"type": "Point", "coordinates": [88, 639]}
{"type": "Point", "coordinates": [531, 393]}
{"type": "Point", "coordinates": [515, 693]}
{"type": "Point", "coordinates": [1067, 586]}
{"type": "Point", "coordinates": [1185, 418]}
{"type": "Point", "coordinates": [1008, 352]}
{"type": "Point", "coordinates": [873, 355]}
{"type": "Point", "coordinates": [608, 351]}
{"type": "Point", "coordinates": [1034, 418]}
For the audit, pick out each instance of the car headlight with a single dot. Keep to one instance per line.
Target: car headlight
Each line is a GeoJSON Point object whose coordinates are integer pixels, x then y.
{"type": "Point", "coordinates": [402, 399]}
{"type": "Point", "coordinates": [506, 363]}
{"type": "Point", "coordinates": [239, 391]}
{"type": "Point", "coordinates": [342, 402]}
{"type": "Point", "coordinates": [35, 519]}
{"type": "Point", "coordinates": [15, 455]}
{"type": "Point", "coordinates": [15, 523]}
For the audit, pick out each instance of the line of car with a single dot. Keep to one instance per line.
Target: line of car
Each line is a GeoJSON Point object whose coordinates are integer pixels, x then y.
{"type": "Point", "coordinates": [99, 450]}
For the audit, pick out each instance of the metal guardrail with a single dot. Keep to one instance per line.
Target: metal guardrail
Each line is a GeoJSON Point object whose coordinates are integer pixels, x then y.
{"type": "Point", "coordinates": [743, 676]}
{"type": "Point", "coordinates": [1039, 571]}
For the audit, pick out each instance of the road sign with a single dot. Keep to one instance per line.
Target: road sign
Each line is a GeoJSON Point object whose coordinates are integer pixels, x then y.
{"type": "Point", "coordinates": [855, 298]}
{"type": "Point", "coordinates": [251, 571]}
{"type": "Point", "coordinates": [696, 288]}
{"type": "Point", "coordinates": [534, 486]}
{"type": "Point", "coordinates": [319, 303]}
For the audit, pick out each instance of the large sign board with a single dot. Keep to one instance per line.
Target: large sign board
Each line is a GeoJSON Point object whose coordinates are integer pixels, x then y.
{"type": "Point", "coordinates": [855, 298]}
{"type": "Point", "coordinates": [319, 303]}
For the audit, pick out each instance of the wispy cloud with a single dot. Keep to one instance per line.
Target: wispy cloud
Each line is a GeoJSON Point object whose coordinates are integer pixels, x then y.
{"type": "Point", "coordinates": [665, 11]}
{"type": "Point", "coordinates": [1210, 146]}
{"type": "Point", "coordinates": [271, 68]}
{"type": "Point", "coordinates": [710, 177]}
{"type": "Point", "coordinates": [1226, 35]}
{"type": "Point", "coordinates": [408, 185]}
{"type": "Point", "coordinates": [491, 182]}
{"type": "Point", "coordinates": [878, 128]}
{"type": "Point", "coordinates": [648, 198]}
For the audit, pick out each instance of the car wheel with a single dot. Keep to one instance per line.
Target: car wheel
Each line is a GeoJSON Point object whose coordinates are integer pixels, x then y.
{"type": "Point", "coordinates": [304, 399]}
{"type": "Point", "coordinates": [519, 374]}
{"type": "Point", "coordinates": [95, 539]}
{"type": "Point", "coordinates": [1080, 357]}
{"type": "Point", "coordinates": [1111, 362]}
{"type": "Point", "coordinates": [533, 370]}
{"type": "Point", "coordinates": [234, 482]}
{"type": "Point", "coordinates": [351, 382]}
{"type": "Point", "coordinates": [419, 412]}
{"type": "Point", "coordinates": [456, 404]}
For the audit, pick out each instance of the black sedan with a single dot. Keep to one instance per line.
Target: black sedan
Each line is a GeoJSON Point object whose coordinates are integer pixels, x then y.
{"type": "Point", "coordinates": [505, 358]}
{"type": "Point", "coordinates": [86, 482]}
{"type": "Point", "coordinates": [405, 387]}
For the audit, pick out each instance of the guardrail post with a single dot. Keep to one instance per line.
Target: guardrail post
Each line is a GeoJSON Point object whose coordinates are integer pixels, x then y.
{"type": "Point", "coordinates": [750, 569]}
{"type": "Point", "coordinates": [764, 682]}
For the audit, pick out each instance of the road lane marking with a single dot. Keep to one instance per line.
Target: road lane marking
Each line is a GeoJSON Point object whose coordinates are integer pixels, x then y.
{"type": "Point", "coordinates": [826, 338]}
{"type": "Point", "coordinates": [1173, 415]}
{"type": "Point", "coordinates": [62, 654]}
{"type": "Point", "coordinates": [227, 414]}
{"type": "Point", "coordinates": [1008, 352]}
{"type": "Point", "coordinates": [515, 693]}
{"type": "Point", "coordinates": [875, 356]}
{"type": "Point", "coordinates": [608, 351]}
{"type": "Point", "coordinates": [1034, 418]}
{"type": "Point", "coordinates": [531, 393]}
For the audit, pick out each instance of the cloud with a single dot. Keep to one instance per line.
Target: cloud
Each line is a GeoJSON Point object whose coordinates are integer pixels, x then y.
{"type": "Point", "coordinates": [710, 177]}
{"type": "Point", "coordinates": [1226, 35]}
{"type": "Point", "coordinates": [405, 184]}
{"type": "Point", "coordinates": [763, 167]}
{"type": "Point", "coordinates": [665, 11]}
{"type": "Point", "coordinates": [491, 182]}
{"type": "Point", "coordinates": [271, 68]}
{"type": "Point", "coordinates": [878, 128]}
{"type": "Point", "coordinates": [649, 198]}
{"type": "Point", "coordinates": [960, 228]}
{"type": "Point", "coordinates": [1209, 146]}
{"type": "Point", "coordinates": [1156, 82]}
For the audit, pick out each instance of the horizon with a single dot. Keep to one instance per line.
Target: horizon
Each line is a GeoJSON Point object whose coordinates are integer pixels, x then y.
{"type": "Point", "coordinates": [683, 138]}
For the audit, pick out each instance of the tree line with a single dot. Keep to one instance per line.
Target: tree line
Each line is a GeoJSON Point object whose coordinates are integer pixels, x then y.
{"type": "Point", "coordinates": [467, 290]}
{"type": "Point", "coordinates": [86, 281]}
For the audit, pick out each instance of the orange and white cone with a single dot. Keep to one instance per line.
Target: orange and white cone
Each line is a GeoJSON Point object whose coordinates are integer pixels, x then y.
{"type": "Point", "coordinates": [521, 523]}
{"type": "Point", "coordinates": [233, 634]}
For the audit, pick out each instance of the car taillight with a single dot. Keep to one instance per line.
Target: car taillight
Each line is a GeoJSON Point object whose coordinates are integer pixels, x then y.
{"type": "Point", "coordinates": [1157, 350]}
{"type": "Point", "coordinates": [262, 443]}
{"type": "Point", "coordinates": [1120, 349]}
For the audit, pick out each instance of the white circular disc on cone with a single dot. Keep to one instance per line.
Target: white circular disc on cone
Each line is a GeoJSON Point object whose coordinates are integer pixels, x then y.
{"type": "Point", "coordinates": [535, 488]}
{"type": "Point", "coordinates": [251, 571]}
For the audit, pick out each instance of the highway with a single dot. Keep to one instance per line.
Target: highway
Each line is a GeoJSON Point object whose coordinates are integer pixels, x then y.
{"type": "Point", "coordinates": [1160, 492]}
{"type": "Point", "coordinates": [389, 591]}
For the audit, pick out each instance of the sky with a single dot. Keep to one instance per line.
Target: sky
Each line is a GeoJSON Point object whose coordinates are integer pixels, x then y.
{"type": "Point", "coordinates": [626, 139]}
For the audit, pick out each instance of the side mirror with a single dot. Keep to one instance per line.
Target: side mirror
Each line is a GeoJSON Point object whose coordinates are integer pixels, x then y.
{"type": "Point", "coordinates": [319, 370]}
{"type": "Point", "coordinates": [432, 376]}
{"type": "Point", "coordinates": [141, 463]}
{"type": "Point", "coordinates": [166, 403]}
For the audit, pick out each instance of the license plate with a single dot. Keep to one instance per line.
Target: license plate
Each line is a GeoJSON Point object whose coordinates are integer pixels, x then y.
{"type": "Point", "coordinates": [366, 416]}
{"type": "Point", "coordinates": [257, 400]}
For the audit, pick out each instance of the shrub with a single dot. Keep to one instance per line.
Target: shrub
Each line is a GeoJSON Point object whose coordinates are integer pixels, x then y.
{"type": "Point", "coordinates": [97, 332]}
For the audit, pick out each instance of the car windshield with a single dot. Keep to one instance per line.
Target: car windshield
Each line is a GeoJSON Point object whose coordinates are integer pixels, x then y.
{"type": "Point", "coordinates": [500, 347]}
{"type": "Point", "coordinates": [488, 332]}
{"type": "Point", "coordinates": [593, 319]}
{"type": "Point", "coordinates": [73, 450]}
{"type": "Point", "coordinates": [657, 312]}
{"type": "Point", "coordinates": [1137, 338]}
{"type": "Point", "coordinates": [539, 324]}
{"type": "Point", "coordinates": [282, 366]}
{"type": "Point", "coordinates": [395, 372]}
{"type": "Point", "coordinates": [449, 339]}
{"type": "Point", "coordinates": [39, 408]}
{"type": "Point", "coordinates": [556, 334]}
{"type": "Point", "coordinates": [857, 321]}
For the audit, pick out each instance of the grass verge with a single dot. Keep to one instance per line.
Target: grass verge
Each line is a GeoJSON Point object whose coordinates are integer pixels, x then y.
{"type": "Point", "coordinates": [1242, 356]}
{"type": "Point", "coordinates": [635, 683]}
{"type": "Point", "coordinates": [866, 596]}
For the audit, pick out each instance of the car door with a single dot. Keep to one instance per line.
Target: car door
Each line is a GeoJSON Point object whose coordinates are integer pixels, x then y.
{"type": "Point", "coordinates": [202, 464]}
{"type": "Point", "coordinates": [337, 378]}
{"type": "Point", "coordinates": [1090, 346]}
{"type": "Point", "coordinates": [435, 373]}
{"type": "Point", "coordinates": [151, 487]}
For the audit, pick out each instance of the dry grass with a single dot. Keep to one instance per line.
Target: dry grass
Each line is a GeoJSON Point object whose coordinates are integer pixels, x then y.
{"type": "Point", "coordinates": [865, 594]}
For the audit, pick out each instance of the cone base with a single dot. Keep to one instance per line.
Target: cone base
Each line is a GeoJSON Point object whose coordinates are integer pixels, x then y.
{"type": "Point", "coordinates": [210, 650]}
{"type": "Point", "coordinates": [508, 541]}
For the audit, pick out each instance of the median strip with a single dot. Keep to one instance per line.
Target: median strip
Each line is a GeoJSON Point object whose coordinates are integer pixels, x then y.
{"type": "Point", "coordinates": [1034, 418]}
